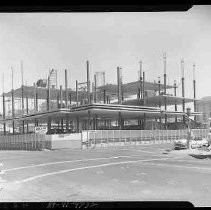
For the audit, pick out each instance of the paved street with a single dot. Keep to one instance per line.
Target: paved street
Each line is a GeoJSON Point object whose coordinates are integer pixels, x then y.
{"type": "Point", "coordinates": [141, 173]}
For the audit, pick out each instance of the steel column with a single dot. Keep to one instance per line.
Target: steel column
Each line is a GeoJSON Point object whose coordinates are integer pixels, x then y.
{"type": "Point", "coordinates": [183, 88]}
{"type": "Point", "coordinates": [194, 91]}
{"type": "Point", "coordinates": [61, 97]}
{"type": "Point", "coordinates": [88, 82]}
{"type": "Point", "coordinates": [76, 84]}
{"type": "Point", "coordinates": [175, 94]}
{"type": "Point", "coordinates": [66, 91]}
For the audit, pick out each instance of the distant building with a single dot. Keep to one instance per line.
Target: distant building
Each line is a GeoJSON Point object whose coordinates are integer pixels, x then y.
{"type": "Point", "coordinates": [204, 106]}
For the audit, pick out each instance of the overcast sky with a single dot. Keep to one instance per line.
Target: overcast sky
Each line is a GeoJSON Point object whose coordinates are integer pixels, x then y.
{"type": "Point", "coordinates": [107, 40]}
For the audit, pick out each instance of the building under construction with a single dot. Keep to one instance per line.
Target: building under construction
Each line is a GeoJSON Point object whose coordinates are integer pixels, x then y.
{"type": "Point", "coordinates": [96, 105]}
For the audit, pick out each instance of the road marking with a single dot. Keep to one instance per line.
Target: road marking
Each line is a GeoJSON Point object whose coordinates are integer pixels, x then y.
{"type": "Point", "coordinates": [87, 167]}
{"type": "Point", "coordinates": [70, 161]}
{"type": "Point", "coordinates": [145, 151]}
{"type": "Point", "coordinates": [179, 166]}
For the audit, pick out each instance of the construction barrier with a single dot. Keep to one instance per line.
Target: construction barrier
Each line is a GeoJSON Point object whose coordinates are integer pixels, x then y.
{"type": "Point", "coordinates": [105, 138]}
{"type": "Point", "coordinates": [35, 141]}
{"type": "Point", "coordinates": [93, 138]}
{"type": "Point", "coordinates": [31, 141]}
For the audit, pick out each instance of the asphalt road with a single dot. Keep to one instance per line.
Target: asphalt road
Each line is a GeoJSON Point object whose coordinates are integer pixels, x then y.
{"type": "Point", "coordinates": [141, 173]}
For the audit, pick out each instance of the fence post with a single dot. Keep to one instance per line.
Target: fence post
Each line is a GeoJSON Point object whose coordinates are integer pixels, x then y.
{"type": "Point", "coordinates": [101, 140]}
{"type": "Point", "coordinates": [113, 137]}
{"type": "Point", "coordinates": [130, 137]}
{"type": "Point", "coordinates": [120, 137]}
{"type": "Point", "coordinates": [107, 138]}
{"type": "Point", "coordinates": [81, 140]}
{"type": "Point", "coordinates": [95, 139]}
{"type": "Point", "coordinates": [125, 138]}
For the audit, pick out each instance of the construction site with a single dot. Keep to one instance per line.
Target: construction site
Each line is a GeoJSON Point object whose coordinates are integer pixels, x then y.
{"type": "Point", "coordinates": [98, 140]}
{"type": "Point", "coordinates": [96, 112]}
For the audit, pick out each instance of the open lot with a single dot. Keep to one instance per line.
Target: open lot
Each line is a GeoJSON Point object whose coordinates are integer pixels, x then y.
{"type": "Point", "coordinates": [141, 173]}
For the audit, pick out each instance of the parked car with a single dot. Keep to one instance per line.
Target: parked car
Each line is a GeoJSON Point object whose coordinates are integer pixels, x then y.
{"type": "Point", "coordinates": [180, 144]}
{"type": "Point", "coordinates": [197, 142]}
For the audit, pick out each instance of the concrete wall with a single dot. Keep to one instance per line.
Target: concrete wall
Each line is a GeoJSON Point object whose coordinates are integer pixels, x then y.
{"type": "Point", "coordinates": [65, 141]}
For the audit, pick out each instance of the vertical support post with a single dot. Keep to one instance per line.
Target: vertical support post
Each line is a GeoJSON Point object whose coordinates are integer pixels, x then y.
{"type": "Point", "coordinates": [159, 86]}
{"type": "Point", "coordinates": [143, 89]}
{"type": "Point", "coordinates": [22, 88]}
{"type": "Point", "coordinates": [62, 124]}
{"type": "Point", "coordinates": [76, 84]}
{"type": "Point", "coordinates": [96, 122]}
{"type": "Point", "coordinates": [118, 85]}
{"type": "Point", "coordinates": [23, 127]}
{"type": "Point", "coordinates": [154, 87]}
{"type": "Point", "coordinates": [144, 122]}
{"type": "Point", "coordinates": [104, 96]}
{"type": "Point", "coordinates": [13, 109]}
{"type": "Point", "coordinates": [36, 101]}
{"type": "Point", "coordinates": [27, 112]}
{"type": "Point", "coordinates": [89, 120]}
{"type": "Point", "coordinates": [141, 85]}
{"type": "Point", "coordinates": [139, 94]}
{"type": "Point", "coordinates": [70, 98]}
{"type": "Point", "coordinates": [164, 61]}
{"type": "Point", "coordinates": [88, 82]}
{"type": "Point", "coordinates": [77, 124]}
{"type": "Point", "coordinates": [175, 94]}
{"type": "Point", "coordinates": [49, 125]}
{"type": "Point", "coordinates": [57, 99]}
{"type": "Point", "coordinates": [92, 92]}
{"type": "Point", "coordinates": [35, 108]}
{"type": "Point", "coordinates": [49, 93]}
{"type": "Point", "coordinates": [120, 121]}
{"type": "Point", "coordinates": [66, 92]}
{"type": "Point", "coordinates": [61, 98]}
{"type": "Point", "coordinates": [67, 123]}
{"type": "Point", "coordinates": [3, 98]}
{"type": "Point", "coordinates": [194, 91]}
{"type": "Point", "coordinates": [183, 88]}
{"type": "Point", "coordinates": [95, 88]}
{"type": "Point", "coordinates": [121, 86]}
{"type": "Point", "coordinates": [103, 78]}
{"type": "Point", "coordinates": [160, 119]}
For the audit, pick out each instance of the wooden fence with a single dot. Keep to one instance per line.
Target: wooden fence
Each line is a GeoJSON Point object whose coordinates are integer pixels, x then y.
{"type": "Point", "coordinates": [31, 141]}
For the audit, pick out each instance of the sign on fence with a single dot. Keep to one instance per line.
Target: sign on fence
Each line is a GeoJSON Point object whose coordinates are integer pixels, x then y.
{"type": "Point", "coordinates": [40, 129]}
